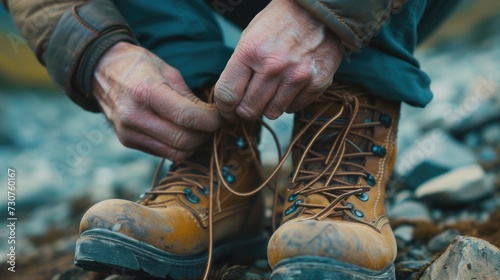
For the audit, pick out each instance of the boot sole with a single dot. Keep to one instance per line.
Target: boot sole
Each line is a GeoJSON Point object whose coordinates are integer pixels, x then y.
{"type": "Point", "coordinates": [110, 252]}
{"type": "Point", "coordinates": [314, 268]}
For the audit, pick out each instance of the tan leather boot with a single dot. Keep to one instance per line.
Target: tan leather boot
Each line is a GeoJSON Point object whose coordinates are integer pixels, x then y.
{"type": "Point", "coordinates": [166, 233]}
{"type": "Point", "coordinates": [334, 220]}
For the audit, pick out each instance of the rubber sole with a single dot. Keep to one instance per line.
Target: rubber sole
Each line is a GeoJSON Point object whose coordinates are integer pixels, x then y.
{"type": "Point", "coordinates": [110, 252]}
{"type": "Point", "coordinates": [320, 268]}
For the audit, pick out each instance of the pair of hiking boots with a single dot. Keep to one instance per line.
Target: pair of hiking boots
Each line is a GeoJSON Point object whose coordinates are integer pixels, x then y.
{"type": "Point", "coordinates": [209, 207]}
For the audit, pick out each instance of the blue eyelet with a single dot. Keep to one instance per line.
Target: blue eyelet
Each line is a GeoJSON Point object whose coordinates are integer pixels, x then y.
{"type": "Point", "coordinates": [363, 197]}
{"type": "Point", "coordinates": [385, 120]}
{"type": "Point", "coordinates": [204, 190]}
{"type": "Point", "coordinates": [379, 150]}
{"type": "Point", "coordinates": [293, 197]}
{"type": "Point", "coordinates": [230, 178]}
{"type": "Point", "coordinates": [240, 142]}
{"type": "Point", "coordinates": [370, 179]}
{"type": "Point", "coordinates": [293, 208]}
{"type": "Point", "coordinates": [357, 213]}
{"type": "Point", "coordinates": [190, 196]}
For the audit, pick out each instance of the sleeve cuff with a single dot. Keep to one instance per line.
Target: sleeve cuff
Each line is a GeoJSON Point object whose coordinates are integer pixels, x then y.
{"type": "Point", "coordinates": [81, 37]}
{"type": "Point", "coordinates": [355, 22]}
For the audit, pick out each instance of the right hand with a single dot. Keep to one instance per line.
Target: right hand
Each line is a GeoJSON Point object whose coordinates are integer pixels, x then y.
{"type": "Point", "coordinates": [149, 104]}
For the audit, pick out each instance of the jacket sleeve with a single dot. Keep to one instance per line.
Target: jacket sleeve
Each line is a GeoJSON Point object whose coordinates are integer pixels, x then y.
{"type": "Point", "coordinates": [355, 22]}
{"type": "Point", "coordinates": [69, 37]}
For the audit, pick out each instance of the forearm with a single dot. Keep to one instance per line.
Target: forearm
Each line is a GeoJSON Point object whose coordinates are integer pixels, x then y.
{"type": "Point", "coordinates": [69, 37]}
{"type": "Point", "coordinates": [355, 22]}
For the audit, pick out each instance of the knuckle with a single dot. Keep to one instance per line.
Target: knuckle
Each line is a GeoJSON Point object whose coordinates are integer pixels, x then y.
{"type": "Point", "coordinates": [142, 92]}
{"type": "Point", "coordinates": [273, 111]}
{"type": "Point", "coordinates": [247, 113]}
{"type": "Point", "coordinates": [184, 118]}
{"type": "Point", "coordinates": [247, 50]}
{"type": "Point", "coordinates": [180, 140]}
{"type": "Point", "coordinates": [274, 64]}
{"type": "Point", "coordinates": [300, 75]}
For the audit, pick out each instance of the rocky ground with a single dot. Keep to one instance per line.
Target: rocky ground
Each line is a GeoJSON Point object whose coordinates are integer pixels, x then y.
{"type": "Point", "coordinates": [444, 199]}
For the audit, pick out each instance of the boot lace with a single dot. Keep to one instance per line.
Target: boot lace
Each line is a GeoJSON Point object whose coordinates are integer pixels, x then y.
{"type": "Point", "coordinates": [185, 175]}
{"type": "Point", "coordinates": [342, 164]}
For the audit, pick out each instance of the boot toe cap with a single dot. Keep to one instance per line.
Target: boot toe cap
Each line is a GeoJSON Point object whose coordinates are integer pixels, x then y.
{"type": "Point", "coordinates": [166, 228]}
{"type": "Point", "coordinates": [353, 243]}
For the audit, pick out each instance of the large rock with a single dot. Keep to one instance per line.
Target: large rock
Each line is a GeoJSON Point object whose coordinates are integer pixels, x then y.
{"type": "Point", "coordinates": [410, 210]}
{"type": "Point", "coordinates": [461, 185]}
{"type": "Point", "coordinates": [466, 258]}
{"type": "Point", "coordinates": [432, 155]}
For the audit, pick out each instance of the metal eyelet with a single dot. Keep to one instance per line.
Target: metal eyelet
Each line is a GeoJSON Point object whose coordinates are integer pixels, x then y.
{"type": "Point", "coordinates": [142, 195]}
{"type": "Point", "coordinates": [357, 213]}
{"type": "Point", "coordinates": [240, 142]}
{"type": "Point", "coordinates": [379, 150]}
{"type": "Point", "coordinates": [370, 179]}
{"type": "Point", "coordinates": [293, 197]}
{"type": "Point", "coordinates": [230, 178]}
{"type": "Point", "coordinates": [204, 190]}
{"type": "Point", "coordinates": [190, 196]}
{"type": "Point", "coordinates": [363, 197]}
{"type": "Point", "coordinates": [386, 120]}
{"type": "Point", "coordinates": [293, 208]}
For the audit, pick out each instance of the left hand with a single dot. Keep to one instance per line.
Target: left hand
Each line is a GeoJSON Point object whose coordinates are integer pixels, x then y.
{"type": "Point", "coordinates": [284, 60]}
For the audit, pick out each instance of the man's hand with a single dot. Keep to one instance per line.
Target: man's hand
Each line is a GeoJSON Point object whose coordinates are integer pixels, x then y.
{"type": "Point", "coordinates": [284, 60]}
{"type": "Point", "coordinates": [149, 104]}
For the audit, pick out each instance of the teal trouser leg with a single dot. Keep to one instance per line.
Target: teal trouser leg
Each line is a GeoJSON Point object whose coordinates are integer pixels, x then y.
{"type": "Point", "coordinates": [387, 67]}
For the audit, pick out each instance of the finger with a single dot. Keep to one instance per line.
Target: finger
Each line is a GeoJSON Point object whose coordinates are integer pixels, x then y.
{"type": "Point", "coordinates": [285, 95]}
{"type": "Point", "coordinates": [171, 106]}
{"type": "Point", "coordinates": [260, 91]}
{"type": "Point", "coordinates": [231, 86]}
{"type": "Point", "coordinates": [312, 91]}
{"type": "Point", "coordinates": [174, 79]}
{"type": "Point", "coordinates": [163, 131]}
{"type": "Point", "coordinates": [147, 144]}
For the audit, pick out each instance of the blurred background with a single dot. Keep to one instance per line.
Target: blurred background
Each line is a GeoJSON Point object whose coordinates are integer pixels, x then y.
{"type": "Point", "coordinates": [66, 159]}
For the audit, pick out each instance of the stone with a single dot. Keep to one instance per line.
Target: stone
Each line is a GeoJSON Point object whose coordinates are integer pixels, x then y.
{"type": "Point", "coordinates": [410, 210]}
{"type": "Point", "coordinates": [491, 134]}
{"type": "Point", "coordinates": [461, 185]}
{"type": "Point", "coordinates": [488, 154]}
{"type": "Point", "coordinates": [466, 258]}
{"type": "Point", "coordinates": [404, 232]}
{"type": "Point", "coordinates": [419, 254]}
{"type": "Point", "coordinates": [413, 265]}
{"type": "Point", "coordinates": [484, 112]}
{"type": "Point", "coordinates": [442, 240]}
{"type": "Point", "coordinates": [431, 155]}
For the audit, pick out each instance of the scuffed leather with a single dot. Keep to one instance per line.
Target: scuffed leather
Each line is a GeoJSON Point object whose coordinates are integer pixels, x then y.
{"type": "Point", "coordinates": [69, 37]}
{"type": "Point", "coordinates": [367, 241]}
{"type": "Point", "coordinates": [355, 22]}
